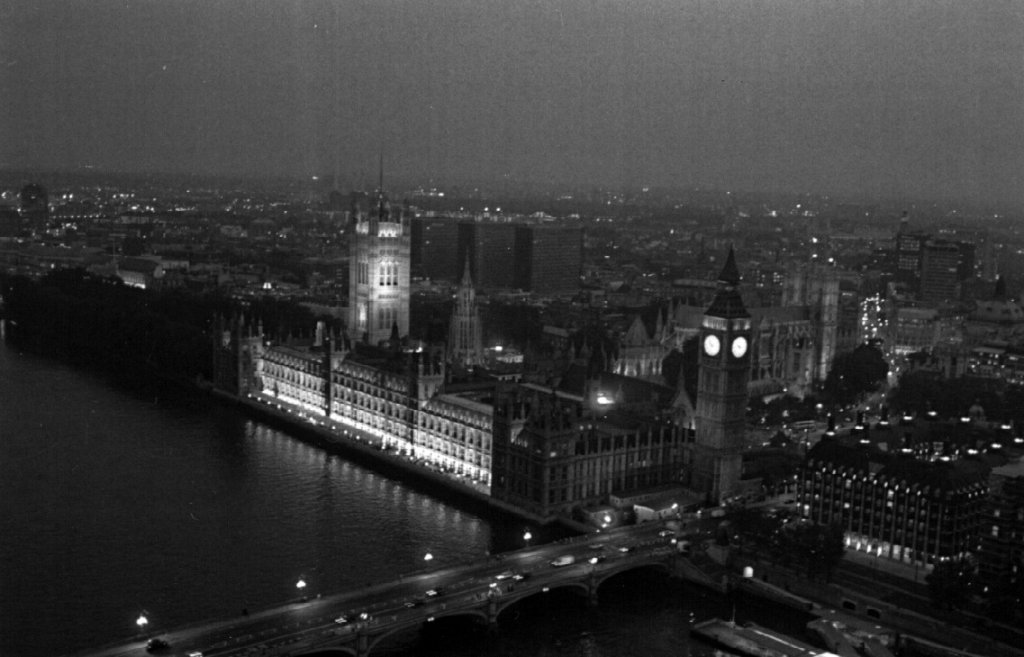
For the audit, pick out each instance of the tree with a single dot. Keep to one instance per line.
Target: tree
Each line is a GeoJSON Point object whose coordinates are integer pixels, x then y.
{"type": "Point", "coordinates": [854, 373]}
{"type": "Point", "coordinates": [949, 584]}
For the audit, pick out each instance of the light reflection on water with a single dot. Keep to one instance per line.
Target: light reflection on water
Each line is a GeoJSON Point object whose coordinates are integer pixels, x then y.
{"type": "Point", "coordinates": [114, 501]}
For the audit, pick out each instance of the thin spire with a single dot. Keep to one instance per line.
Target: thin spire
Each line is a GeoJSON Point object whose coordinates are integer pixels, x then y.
{"type": "Point", "coordinates": [380, 174]}
{"type": "Point", "coordinates": [730, 273]}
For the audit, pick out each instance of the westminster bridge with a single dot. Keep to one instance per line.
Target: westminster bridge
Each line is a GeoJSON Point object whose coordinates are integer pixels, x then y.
{"type": "Point", "coordinates": [354, 622]}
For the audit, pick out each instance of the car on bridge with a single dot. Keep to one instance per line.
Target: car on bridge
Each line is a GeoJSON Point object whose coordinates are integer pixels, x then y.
{"type": "Point", "coordinates": [412, 604]}
{"type": "Point", "coordinates": [564, 560]}
{"type": "Point", "coordinates": [597, 559]}
{"type": "Point", "coordinates": [505, 575]}
{"type": "Point", "coordinates": [157, 645]}
{"type": "Point", "coordinates": [433, 593]}
{"type": "Point", "coordinates": [521, 576]}
{"type": "Point", "coordinates": [343, 619]}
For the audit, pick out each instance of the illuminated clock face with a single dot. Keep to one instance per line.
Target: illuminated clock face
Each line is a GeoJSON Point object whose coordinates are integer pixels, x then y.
{"type": "Point", "coordinates": [712, 345]}
{"type": "Point", "coordinates": [739, 347]}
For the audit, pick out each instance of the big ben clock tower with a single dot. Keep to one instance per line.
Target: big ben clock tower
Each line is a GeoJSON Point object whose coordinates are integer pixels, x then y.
{"type": "Point", "coordinates": [722, 388]}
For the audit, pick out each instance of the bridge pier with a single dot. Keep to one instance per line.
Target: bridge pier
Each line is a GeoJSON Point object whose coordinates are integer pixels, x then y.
{"type": "Point", "coordinates": [362, 643]}
{"type": "Point", "coordinates": [592, 598]}
{"type": "Point", "coordinates": [492, 612]}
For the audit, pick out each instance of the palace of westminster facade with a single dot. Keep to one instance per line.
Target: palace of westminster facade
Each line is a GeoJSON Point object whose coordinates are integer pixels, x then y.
{"type": "Point", "coordinates": [604, 429]}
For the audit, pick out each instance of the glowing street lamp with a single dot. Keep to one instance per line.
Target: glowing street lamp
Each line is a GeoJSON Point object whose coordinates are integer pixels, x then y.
{"type": "Point", "coordinates": [142, 622]}
{"type": "Point", "coordinates": [428, 557]}
{"type": "Point", "coordinates": [301, 584]}
{"type": "Point", "coordinates": [526, 537]}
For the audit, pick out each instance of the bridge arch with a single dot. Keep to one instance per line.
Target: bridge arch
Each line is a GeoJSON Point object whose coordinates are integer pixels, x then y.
{"type": "Point", "coordinates": [375, 639]}
{"type": "Point", "coordinates": [507, 601]}
{"type": "Point", "coordinates": [605, 575]}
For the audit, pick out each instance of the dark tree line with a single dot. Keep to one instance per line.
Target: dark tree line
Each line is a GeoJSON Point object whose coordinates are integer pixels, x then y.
{"type": "Point", "coordinates": [100, 322]}
{"type": "Point", "coordinates": [921, 391]}
{"type": "Point", "coordinates": [855, 373]}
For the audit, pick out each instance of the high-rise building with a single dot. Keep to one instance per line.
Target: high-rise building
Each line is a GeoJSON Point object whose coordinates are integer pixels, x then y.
{"type": "Point", "coordinates": [379, 245]}
{"type": "Point", "coordinates": [549, 259]}
{"type": "Point", "coordinates": [722, 389]}
{"type": "Point", "coordinates": [490, 248]}
{"type": "Point", "coordinates": [434, 249]}
{"type": "Point", "coordinates": [940, 272]}
{"type": "Point", "coordinates": [1001, 549]}
{"type": "Point", "coordinates": [465, 336]}
{"type": "Point", "coordinates": [908, 254]}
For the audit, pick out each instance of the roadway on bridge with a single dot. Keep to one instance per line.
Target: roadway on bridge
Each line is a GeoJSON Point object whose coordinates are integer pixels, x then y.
{"type": "Point", "coordinates": [312, 622]}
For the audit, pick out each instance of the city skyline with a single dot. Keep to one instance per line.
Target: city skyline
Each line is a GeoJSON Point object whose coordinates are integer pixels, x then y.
{"type": "Point", "coordinates": [915, 100]}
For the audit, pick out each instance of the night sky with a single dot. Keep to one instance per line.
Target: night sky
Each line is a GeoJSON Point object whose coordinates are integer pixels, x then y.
{"type": "Point", "coordinates": [919, 98]}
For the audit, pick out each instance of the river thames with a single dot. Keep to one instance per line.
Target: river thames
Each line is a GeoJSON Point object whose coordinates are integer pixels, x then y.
{"type": "Point", "coordinates": [117, 501]}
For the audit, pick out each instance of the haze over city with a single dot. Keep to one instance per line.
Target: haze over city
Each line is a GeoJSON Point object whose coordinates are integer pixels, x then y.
{"type": "Point", "coordinates": [911, 99]}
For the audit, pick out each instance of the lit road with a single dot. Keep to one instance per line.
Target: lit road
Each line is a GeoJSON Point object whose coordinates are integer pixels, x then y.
{"type": "Point", "coordinates": [303, 625]}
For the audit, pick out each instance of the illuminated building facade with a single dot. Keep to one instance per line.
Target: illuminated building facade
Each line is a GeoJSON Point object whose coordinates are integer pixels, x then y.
{"type": "Point", "coordinates": [913, 498]}
{"type": "Point", "coordinates": [379, 261]}
{"type": "Point", "coordinates": [640, 354]}
{"type": "Point", "coordinates": [394, 396]}
{"type": "Point", "coordinates": [815, 286]}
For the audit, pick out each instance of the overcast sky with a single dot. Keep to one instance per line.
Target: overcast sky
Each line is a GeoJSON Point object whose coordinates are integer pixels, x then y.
{"type": "Point", "coordinates": [891, 97]}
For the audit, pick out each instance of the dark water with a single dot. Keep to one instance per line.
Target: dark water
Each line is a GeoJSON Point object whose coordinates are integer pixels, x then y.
{"type": "Point", "coordinates": [115, 500]}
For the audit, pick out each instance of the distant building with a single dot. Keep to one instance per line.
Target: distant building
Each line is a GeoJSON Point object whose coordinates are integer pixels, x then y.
{"type": "Point", "coordinates": [34, 206]}
{"type": "Point", "coordinates": [549, 259]}
{"type": "Point", "coordinates": [940, 273]}
{"type": "Point", "coordinates": [10, 222]}
{"type": "Point", "coordinates": [490, 248]}
{"type": "Point", "coordinates": [434, 248]}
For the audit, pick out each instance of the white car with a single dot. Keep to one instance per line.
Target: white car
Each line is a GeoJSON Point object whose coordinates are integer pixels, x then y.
{"type": "Point", "coordinates": [505, 575]}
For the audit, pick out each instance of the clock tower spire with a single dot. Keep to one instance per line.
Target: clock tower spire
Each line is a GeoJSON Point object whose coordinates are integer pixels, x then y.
{"type": "Point", "coordinates": [722, 388]}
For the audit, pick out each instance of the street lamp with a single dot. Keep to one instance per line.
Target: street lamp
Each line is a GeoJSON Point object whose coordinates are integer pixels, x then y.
{"type": "Point", "coordinates": [527, 536]}
{"type": "Point", "coordinates": [301, 586]}
{"type": "Point", "coordinates": [428, 557]}
{"type": "Point", "coordinates": [142, 621]}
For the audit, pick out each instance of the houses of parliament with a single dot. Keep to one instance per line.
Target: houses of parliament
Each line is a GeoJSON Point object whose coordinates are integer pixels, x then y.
{"type": "Point", "coordinates": [600, 430]}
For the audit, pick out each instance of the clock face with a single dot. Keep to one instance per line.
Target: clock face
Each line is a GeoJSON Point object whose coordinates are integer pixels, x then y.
{"type": "Point", "coordinates": [739, 347]}
{"type": "Point", "coordinates": [711, 345]}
